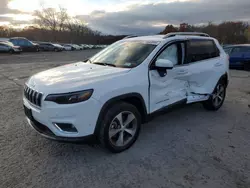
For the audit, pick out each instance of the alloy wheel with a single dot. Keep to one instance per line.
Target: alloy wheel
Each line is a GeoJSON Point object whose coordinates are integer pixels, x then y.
{"type": "Point", "coordinates": [218, 95]}
{"type": "Point", "coordinates": [122, 129]}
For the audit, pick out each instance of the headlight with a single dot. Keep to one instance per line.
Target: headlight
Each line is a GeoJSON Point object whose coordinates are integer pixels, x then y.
{"type": "Point", "coordinates": [70, 98]}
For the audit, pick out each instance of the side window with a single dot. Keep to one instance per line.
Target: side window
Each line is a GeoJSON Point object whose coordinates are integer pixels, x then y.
{"type": "Point", "coordinates": [4, 46]}
{"type": "Point", "coordinates": [245, 49]}
{"type": "Point", "coordinates": [199, 50]}
{"type": "Point", "coordinates": [15, 42]}
{"type": "Point", "coordinates": [21, 42]}
{"type": "Point", "coordinates": [236, 49]}
{"type": "Point", "coordinates": [175, 53]}
{"type": "Point", "coordinates": [27, 43]}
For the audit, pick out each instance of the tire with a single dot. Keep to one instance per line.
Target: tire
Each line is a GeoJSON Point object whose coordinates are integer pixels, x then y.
{"type": "Point", "coordinates": [111, 131]}
{"type": "Point", "coordinates": [217, 98]}
{"type": "Point", "coordinates": [11, 51]}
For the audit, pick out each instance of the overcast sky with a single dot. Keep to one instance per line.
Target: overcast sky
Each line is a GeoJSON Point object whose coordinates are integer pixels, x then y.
{"type": "Point", "coordinates": [131, 16]}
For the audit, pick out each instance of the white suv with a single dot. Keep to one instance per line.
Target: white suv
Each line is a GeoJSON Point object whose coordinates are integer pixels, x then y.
{"type": "Point", "coordinates": [110, 95]}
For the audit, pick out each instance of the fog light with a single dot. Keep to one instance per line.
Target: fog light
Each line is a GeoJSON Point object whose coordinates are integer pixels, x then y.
{"type": "Point", "coordinates": [65, 127]}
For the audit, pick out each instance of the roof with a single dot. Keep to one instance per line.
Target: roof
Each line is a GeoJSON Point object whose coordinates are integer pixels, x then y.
{"type": "Point", "coordinates": [4, 39]}
{"type": "Point", "coordinates": [161, 38]}
{"type": "Point", "coordinates": [236, 45]}
{"type": "Point", "coordinates": [18, 38]}
{"type": "Point", "coordinates": [148, 38]}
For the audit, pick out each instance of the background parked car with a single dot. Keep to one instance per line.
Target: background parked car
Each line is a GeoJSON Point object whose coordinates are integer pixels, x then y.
{"type": "Point", "coordinates": [68, 47]}
{"type": "Point", "coordinates": [77, 47]}
{"type": "Point", "coordinates": [47, 46]}
{"type": "Point", "coordinates": [84, 46]}
{"type": "Point", "coordinates": [239, 56]}
{"type": "Point", "coordinates": [9, 48]}
{"type": "Point", "coordinates": [25, 44]}
{"type": "Point", "coordinates": [59, 46]}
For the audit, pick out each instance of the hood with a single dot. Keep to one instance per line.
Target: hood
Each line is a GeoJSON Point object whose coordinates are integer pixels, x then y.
{"type": "Point", "coordinates": [73, 77]}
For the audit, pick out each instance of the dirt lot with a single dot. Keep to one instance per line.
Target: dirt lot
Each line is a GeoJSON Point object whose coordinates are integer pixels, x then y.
{"type": "Point", "coordinates": [187, 147]}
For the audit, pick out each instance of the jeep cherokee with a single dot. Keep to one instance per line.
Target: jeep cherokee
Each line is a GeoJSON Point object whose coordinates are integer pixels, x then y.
{"type": "Point", "coordinates": [111, 94]}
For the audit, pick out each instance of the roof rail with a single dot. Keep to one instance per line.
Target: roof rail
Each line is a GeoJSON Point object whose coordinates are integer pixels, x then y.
{"type": "Point", "coordinates": [186, 33]}
{"type": "Point", "coordinates": [130, 36]}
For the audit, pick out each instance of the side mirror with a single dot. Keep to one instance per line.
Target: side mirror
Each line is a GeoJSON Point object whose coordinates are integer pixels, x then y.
{"type": "Point", "coordinates": [164, 63]}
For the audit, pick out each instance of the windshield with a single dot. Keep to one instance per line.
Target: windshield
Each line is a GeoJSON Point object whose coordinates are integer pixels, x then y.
{"type": "Point", "coordinates": [127, 54]}
{"type": "Point", "coordinates": [227, 50]}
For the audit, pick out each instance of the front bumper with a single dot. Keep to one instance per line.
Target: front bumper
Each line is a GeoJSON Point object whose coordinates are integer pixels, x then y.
{"type": "Point", "coordinates": [17, 50]}
{"type": "Point", "coordinates": [83, 116]}
{"type": "Point", "coordinates": [47, 133]}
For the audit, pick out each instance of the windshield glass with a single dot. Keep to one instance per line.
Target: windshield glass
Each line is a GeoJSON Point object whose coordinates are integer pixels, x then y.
{"type": "Point", "coordinates": [227, 50]}
{"type": "Point", "coordinates": [127, 54]}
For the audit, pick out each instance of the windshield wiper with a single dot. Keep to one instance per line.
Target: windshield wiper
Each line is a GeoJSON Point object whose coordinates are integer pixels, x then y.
{"type": "Point", "coordinates": [105, 64]}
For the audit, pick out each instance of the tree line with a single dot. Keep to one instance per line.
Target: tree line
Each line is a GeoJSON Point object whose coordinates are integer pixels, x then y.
{"type": "Point", "coordinates": [226, 32]}
{"type": "Point", "coordinates": [56, 25]}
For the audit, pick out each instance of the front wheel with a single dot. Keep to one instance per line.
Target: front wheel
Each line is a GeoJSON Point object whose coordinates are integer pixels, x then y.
{"type": "Point", "coordinates": [217, 98]}
{"type": "Point", "coordinates": [11, 51]}
{"type": "Point", "coordinates": [120, 128]}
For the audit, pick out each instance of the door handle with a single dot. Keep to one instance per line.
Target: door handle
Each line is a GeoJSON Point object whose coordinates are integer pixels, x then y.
{"type": "Point", "coordinates": [218, 64]}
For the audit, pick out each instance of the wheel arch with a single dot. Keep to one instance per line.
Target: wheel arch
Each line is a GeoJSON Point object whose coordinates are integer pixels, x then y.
{"type": "Point", "coordinates": [135, 99]}
{"type": "Point", "coordinates": [225, 79]}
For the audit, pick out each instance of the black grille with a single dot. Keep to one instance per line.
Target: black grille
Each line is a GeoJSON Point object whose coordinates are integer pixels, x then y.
{"type": "Point", "coordinates": [33, 96]}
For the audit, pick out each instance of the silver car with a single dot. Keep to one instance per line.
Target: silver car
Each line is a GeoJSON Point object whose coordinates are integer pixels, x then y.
{"type": "Point", "coordinates": [8, 47]}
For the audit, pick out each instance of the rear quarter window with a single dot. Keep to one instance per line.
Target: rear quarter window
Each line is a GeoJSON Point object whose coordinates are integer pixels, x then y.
{"type": "Point", "coordinates": [199, 50]}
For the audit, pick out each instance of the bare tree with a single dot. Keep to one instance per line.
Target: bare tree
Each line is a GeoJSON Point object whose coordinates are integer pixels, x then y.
{"type": "Point", "coordinates": [51, 19]}
{"type": "Point", "coordinates": [63, 17]}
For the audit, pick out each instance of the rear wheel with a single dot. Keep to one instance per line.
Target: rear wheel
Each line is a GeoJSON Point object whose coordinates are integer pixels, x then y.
{"type": "Point", "coordinates": [120, 128]}
{"type": "Point", "coordinates": [217, 98]}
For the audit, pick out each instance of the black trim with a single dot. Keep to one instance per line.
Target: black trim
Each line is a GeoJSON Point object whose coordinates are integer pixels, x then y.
{"type": "Point", "coordinates": [225, 78]}
{"type": "Point", "coordinates": [115, 100]}
{"type": "Point", "coordinates": [39, 127]}
{"type": "Point", "coordinates": [167, 108]}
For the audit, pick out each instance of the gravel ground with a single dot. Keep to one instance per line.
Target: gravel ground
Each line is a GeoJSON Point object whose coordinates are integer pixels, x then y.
{"type": "Point", "coordinates": [187, 147]}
